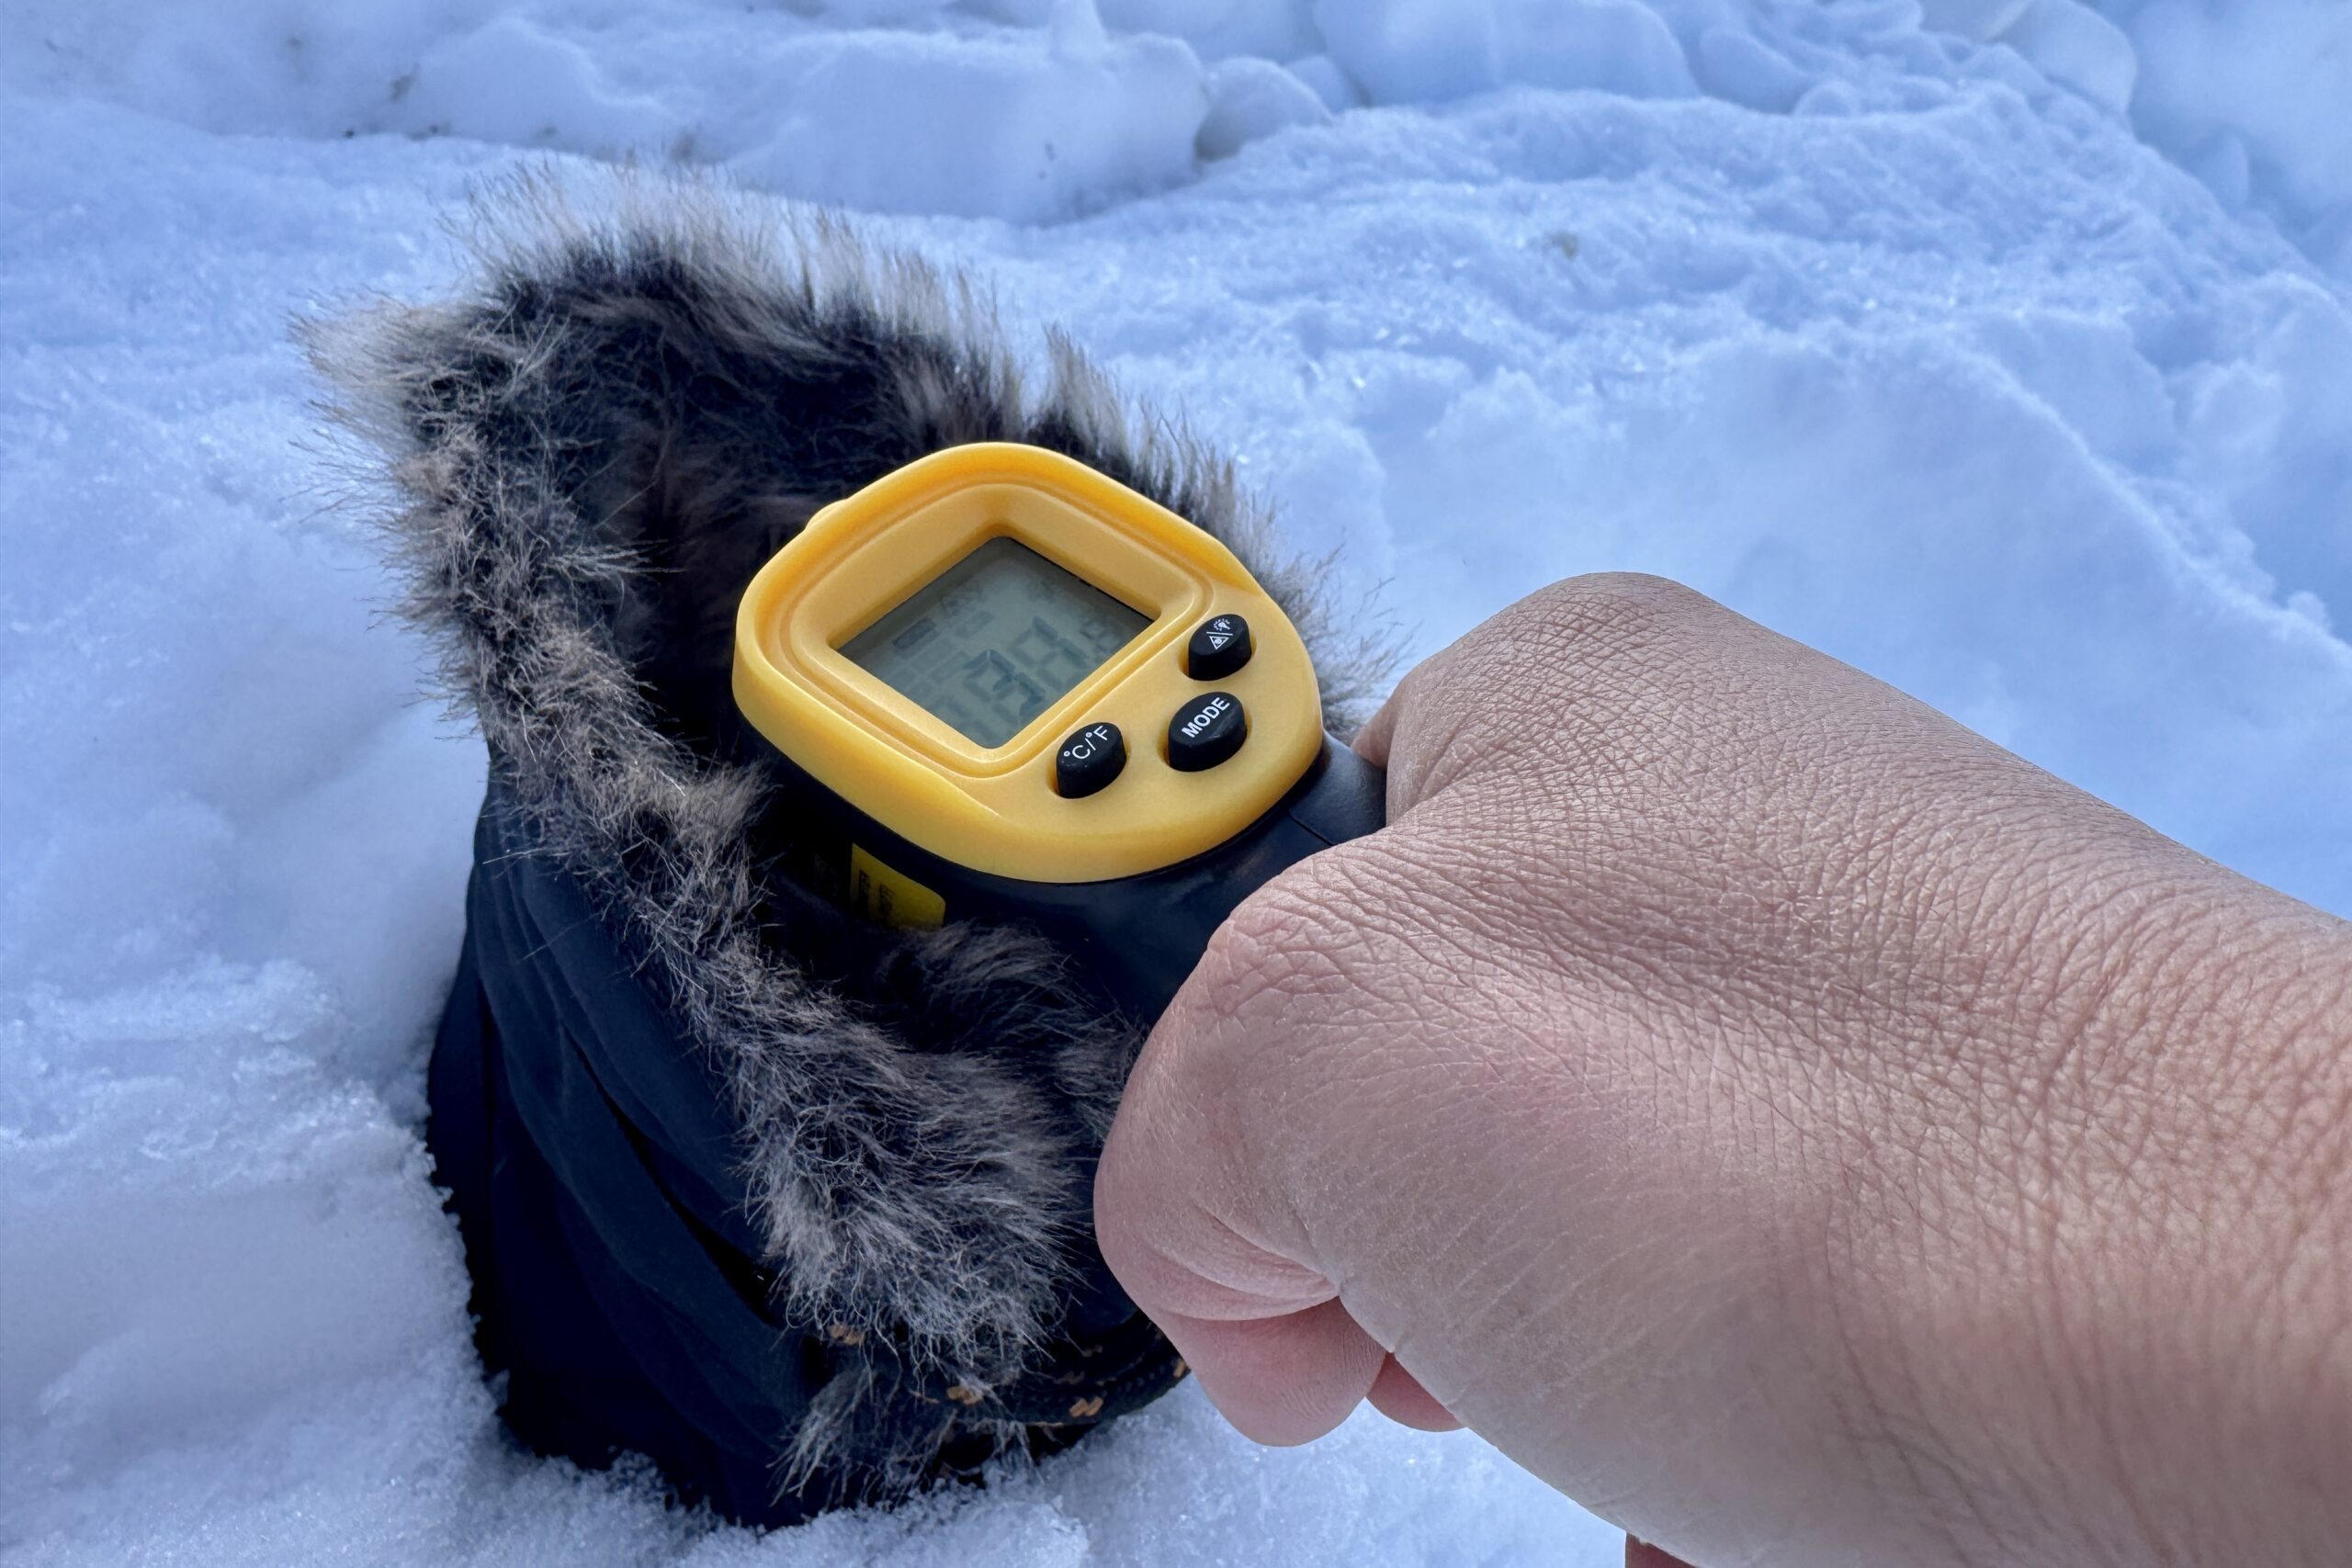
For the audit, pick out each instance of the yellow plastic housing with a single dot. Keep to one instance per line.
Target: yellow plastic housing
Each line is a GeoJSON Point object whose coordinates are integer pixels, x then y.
{"type": "Point", "coordinates": [996, 810]}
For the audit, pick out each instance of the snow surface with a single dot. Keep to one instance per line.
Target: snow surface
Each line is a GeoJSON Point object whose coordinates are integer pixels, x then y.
{"type": "Point", "coordinates": [2002, 347]}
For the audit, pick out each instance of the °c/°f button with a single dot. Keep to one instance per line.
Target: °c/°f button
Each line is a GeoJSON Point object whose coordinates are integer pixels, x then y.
{"type": "Point", "coordinates": [1220, 644]}
{"type": "Point", "coordinates": [1205, 731]}
{"type": "Point", "coordinates": [1089, 760]}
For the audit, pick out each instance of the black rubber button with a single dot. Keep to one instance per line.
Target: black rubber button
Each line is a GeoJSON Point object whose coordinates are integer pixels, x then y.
{"type": "Point", "coordinates": [1089, 760]}
{"type": "Point", "coordinates": [1205, 731]}
{"type": "Point", "coordinates": [1220, 644]}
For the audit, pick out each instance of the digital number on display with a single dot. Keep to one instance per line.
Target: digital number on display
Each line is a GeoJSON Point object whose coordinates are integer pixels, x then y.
{"type": "Point", "coordinates": [995, 639]}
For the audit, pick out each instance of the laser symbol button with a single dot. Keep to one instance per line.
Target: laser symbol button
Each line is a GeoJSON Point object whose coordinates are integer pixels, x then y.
{"type": "Point", "coordinates": [1205, 731]}
{"type": "Point", "coordinates": [1220, 644]}
{"type": "Point", "coordinates": [1089, 760]}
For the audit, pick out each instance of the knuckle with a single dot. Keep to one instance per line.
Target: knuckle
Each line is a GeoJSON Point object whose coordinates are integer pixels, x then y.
{"type": "Point", "coordinates": [1570, 627]}
{"type": "Point", "coordinates": [1250, 1028]}
{"type": "Point", "coordinates": [1622, 608]}
{"type": "Point", "coordinates": [1211, 1033]}
{"type": "Point", "coordinates": [1614, 627]}
{"type": "Point", "coordinates": [1319, 952]}
{"type": "Point", "coordinates": [1282, 934]}
{"type": "Point", "coordinates": [1603, 678]}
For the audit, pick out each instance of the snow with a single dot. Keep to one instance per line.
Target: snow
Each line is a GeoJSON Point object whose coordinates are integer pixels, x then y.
{"type": "Point", "coordinates": [1252, 98]}
{"type": "Point", "coordinates": [2002, 347]}
{"type": "Point", "coordinates": [2262, 93]}
{"type": "Point", "coordinates": [1007, 128]}
{"type": "Point", "coordinates": [1447, 48]}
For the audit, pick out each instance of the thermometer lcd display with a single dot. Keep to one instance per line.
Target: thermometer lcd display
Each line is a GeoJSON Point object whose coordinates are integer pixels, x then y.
{"type": "Point", "coordinates": [994, 640]}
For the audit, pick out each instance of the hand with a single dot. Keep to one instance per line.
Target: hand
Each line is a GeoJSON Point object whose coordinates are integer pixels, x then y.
{"type": "Point", "coordinates": [1778, 1118]}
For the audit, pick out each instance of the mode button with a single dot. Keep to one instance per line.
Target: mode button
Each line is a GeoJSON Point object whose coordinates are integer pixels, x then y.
{"type": "Point", "coordinates": [1205, 731]}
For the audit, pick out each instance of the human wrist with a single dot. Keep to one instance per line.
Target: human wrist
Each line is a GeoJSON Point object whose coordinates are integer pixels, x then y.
{"type": "Point", "coordinates": [2272, 1023]}
{"type": "Point", "coordinates": [2124, 1342]}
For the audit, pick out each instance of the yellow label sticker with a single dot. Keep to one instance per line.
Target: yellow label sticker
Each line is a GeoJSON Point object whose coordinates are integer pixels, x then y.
{"type": "Point", "coordinates": [890, 897]}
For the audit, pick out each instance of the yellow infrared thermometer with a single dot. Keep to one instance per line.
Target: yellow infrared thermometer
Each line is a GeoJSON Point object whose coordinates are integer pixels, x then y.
{"type": "Point", "coordinates": [1008, 687]}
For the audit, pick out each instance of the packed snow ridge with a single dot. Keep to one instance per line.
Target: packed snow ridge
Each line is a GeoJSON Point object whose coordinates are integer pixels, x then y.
{"type": "Point", "coordinates": [1034, 109]}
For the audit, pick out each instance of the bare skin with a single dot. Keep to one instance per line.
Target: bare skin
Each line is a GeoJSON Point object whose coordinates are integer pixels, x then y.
{"type": "Point", "coordinates": [1781, 1120]}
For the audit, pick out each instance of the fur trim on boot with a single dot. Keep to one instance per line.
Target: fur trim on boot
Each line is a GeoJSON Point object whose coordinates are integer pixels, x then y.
{"type": "Point", "coordinates": [642, 392]}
